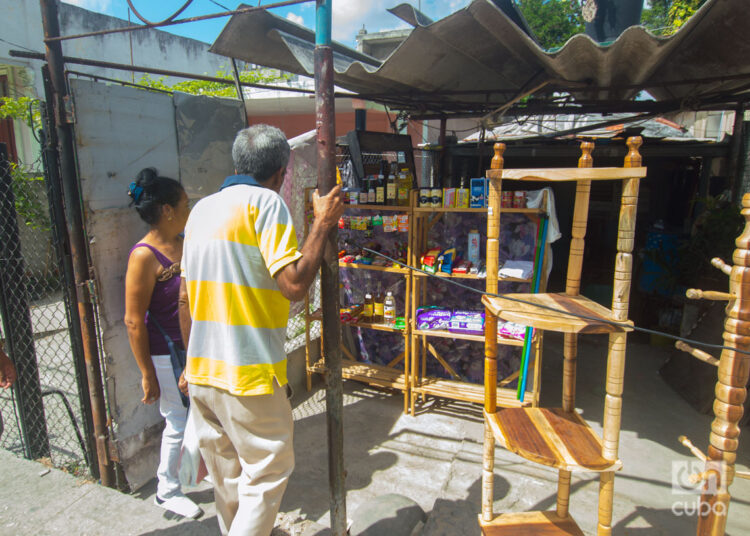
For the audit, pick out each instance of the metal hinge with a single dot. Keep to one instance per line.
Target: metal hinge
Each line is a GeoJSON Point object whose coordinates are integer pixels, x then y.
{"type": "Point", "coordinates": [112, 452]}
{"type": "Point", "coordinates": [69, 109]}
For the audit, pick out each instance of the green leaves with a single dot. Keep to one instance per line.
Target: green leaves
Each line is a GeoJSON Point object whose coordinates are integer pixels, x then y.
{"type": "Point", "coordinates": [216, 89]}
{"type": "Point", "coordinates": [553, 21]}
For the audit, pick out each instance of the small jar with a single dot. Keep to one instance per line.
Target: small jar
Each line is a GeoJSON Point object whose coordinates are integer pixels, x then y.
{"type": "Point", "coordinates": [506, 199]}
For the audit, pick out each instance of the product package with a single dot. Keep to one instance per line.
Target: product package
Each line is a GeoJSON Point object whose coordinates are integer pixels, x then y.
{"type": "Point", "coordinates": [445, 260]}
{"type": "Point", "coordinates": [467, 322]}
{"type": "Point", "coordinates": [433, 317]}
{"type": "Point", "coordinates": [477, 193]}
{"type": "Point", "coordinates": [429, 260]}
{"type": "Point", "coordinates": [449, 197]}
{"type": "Point", "coordinates": [403, 223]}
{"type": "Point", "coordinates": [511, 330]}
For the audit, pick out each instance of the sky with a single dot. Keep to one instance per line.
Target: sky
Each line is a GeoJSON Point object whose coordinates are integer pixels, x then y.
{"type": "Point", "coordinates": [348, 15]}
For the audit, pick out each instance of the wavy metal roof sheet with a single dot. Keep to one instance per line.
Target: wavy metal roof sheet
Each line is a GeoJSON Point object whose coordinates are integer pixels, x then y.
{"type": "Point", "coordinates": [452, 64]}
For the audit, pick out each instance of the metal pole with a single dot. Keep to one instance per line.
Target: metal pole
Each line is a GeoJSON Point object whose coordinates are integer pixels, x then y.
{"type": "Point", "coordinates": [14, 308]}
{"type": "Point", "coordinates": [51, 163]}
{"type": "Point", "coordinates": [74, 220]}
{"type": "Point", "coordinates": [735, 161]}
{"type": "Point", "coordinates": [329, 280]}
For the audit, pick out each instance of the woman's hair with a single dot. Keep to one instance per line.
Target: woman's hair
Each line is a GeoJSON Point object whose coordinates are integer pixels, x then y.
{"type": "Point", "coordinates": [149, 192]}
{"type": "Point", "coordinates": [260, 151]}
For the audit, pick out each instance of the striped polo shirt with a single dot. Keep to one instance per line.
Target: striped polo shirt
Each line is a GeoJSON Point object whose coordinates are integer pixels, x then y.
{"type": "Point", "coordinates": [235, 242]}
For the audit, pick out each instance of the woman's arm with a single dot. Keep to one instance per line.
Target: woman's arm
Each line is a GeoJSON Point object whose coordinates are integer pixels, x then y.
{"type": "Point", "coordinates": [139, 285]}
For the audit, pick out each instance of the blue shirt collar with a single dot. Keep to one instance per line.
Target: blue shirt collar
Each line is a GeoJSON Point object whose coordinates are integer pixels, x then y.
{"type": "Point", "coordinates": [233, 180]}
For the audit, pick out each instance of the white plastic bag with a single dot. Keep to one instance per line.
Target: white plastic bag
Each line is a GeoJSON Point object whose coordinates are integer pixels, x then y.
{"type": "Point", "coordinates": [192, 466]}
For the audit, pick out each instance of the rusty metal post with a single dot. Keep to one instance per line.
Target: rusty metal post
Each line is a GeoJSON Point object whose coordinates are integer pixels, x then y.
{"type": "Point", "coordinates": [74, 220]}
{"type": "Point", "coordinates": [51, 161]}
{"type": "Point", "coordinates": [329, 279]}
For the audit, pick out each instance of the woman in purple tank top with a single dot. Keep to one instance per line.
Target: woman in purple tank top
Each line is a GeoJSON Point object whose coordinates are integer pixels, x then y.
{"type": "Point", "coordinates": [152, 285]}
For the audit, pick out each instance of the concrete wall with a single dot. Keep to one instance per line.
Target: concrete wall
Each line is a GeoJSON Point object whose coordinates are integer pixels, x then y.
{"type": "Point", "coordinates": [119, 131]}
{"type": "Point", "coordinates": [21, 29]}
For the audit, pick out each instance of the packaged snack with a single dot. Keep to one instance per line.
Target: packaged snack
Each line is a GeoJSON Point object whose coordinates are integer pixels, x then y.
{"type": "Point", "coordinates": [511, 330]}
{"type": "Point", "coordinates": [432, 317]}
{"type": "Point", "coordinates": [403, 223]}
{"type": "Point", "coordinates": [462, 267]}
{"type": "Point", "coordinates": [445, 260]}
{"type": "Point", "coordinates": [467, 322]}
{"type": "Point", "coordinates": [449, 197]}
{"type": "Point", "coordinates": [429, 260]}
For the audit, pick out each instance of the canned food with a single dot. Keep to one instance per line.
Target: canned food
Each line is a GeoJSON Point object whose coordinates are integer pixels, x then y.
{"type": "Point", "coordinates": [519, 199]}
{"type": "Point", "coordinates": [506, 199]}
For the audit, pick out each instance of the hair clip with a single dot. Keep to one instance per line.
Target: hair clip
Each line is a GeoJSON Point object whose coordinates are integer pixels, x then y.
{"type": "Point", "coordinates": [135, 192]}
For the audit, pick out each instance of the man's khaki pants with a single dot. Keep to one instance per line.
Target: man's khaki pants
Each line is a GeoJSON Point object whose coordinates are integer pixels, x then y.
{"type": "Point", "coordinates": [246, 442]}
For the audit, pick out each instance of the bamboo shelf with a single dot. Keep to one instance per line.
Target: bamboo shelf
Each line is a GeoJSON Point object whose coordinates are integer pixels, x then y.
{"type": "Point", "coordinates": [468, 392]}
{"type": "Point", "coordinates": [480, 210]}
{"type": "Point", "coordinates": [530, 524]}
{"type": "Point", "coordinates": [463, 336]}
{"type": "Point", "coordinates": [391, 208]}
{"type": "Point", "coordinates": [378, 327]}
{"type": "Point", "coordinates": [379, 375]}
{"type": "Point", "coordinates": [359, 266]}
{"type": "Point", "coordinates": [530, 314]}
{"type": "Point", "coordinates": [559, 437]}
{"type": "Point", "coordinates": [470, 276]}
{"type": "Point", "coordinates": [550, 437]}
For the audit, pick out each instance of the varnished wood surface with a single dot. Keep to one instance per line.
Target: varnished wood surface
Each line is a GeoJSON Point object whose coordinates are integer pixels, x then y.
{"type": "Point", "coordinates": [530, 524]}
{"type": "Point", "coordinates": [529, 314]}
{"type": "Point", "coordinates": [569, 174]}
{"type": "Point", "coordinates": [550, 437]}
{"type": "Point", "coordinates": [468, 392]}
{"type": "Point", "coordinates": [371, 374]}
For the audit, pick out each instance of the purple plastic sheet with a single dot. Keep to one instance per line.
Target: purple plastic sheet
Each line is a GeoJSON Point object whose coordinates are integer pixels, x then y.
{"type": "Point", "coordinates": [517, 241]}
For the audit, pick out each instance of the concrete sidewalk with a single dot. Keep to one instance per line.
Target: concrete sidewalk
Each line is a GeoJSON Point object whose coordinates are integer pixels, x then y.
{"type": "Point", "coordinates": [433, 458]}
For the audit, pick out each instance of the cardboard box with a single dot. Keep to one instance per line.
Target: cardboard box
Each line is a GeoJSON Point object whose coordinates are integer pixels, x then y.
{"type": "Point", "coordinates": [478, 193]}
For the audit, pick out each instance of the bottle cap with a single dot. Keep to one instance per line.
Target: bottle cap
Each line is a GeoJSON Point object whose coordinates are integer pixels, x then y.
{"type": "Point", "coordinates": [389, 293]}
{"type": "Point", "coordinates": [368, 296]}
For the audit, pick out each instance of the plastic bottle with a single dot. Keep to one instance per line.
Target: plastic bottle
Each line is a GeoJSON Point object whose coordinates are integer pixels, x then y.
{"type": "Point", "coordinates": [378, 308]}
{"type": "Point", "coordinates": [472, 252]}
{"type": "Point", "coordinates": [389, 309]}
{"type": "Point", "coordinates": [380, 190]}
{"type": "Point", "coordinates": [367, 309]}
{"type": "Point", "coordinates": [390, 190]}
{"type": "Point", "coordinates": [404, 187]}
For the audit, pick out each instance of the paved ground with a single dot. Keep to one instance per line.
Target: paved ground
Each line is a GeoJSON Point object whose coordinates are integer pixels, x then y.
{"type": "Point", "coordinates": [434, 458]}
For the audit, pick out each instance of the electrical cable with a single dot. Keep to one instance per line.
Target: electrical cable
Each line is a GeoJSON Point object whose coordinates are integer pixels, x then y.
{"type": "Point", "coordinates": [225, 8]}
{"type": "Point", "coordinates": [614, 323]}
{"type": "Point", "coordinates": [168, 19]}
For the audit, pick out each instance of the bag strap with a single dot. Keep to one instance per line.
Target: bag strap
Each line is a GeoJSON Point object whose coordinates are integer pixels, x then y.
{"type": "Point", "coordinates": [152, 318]}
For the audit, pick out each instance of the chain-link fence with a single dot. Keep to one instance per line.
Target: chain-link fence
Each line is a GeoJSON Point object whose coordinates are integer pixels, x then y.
{"type": "Point", "coordinates": [41, 414]}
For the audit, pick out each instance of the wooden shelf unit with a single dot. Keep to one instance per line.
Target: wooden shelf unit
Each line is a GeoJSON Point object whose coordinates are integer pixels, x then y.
{"type": "Point", "coordinates": [559, 437]}
{"type": "Point", "coordinates": [468, 392]}
{"type": "Point", "coordinates": [370, 373]}
{"type": "Point", "coordinates": [424, 220]}
{"type": "Point", "coordinates": [530, 524]}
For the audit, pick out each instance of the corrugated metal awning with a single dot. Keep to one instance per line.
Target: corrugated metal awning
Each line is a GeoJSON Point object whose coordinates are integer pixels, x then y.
{"type": "Point", "coordinates": [477, 60]}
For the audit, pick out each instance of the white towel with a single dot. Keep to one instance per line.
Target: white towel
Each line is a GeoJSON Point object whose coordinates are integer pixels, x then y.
{"type": "Point", "coordinates": [517, 269]}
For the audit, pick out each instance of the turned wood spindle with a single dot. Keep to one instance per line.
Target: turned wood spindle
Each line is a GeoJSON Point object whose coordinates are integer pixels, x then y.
{"type": "Point", "coordinates": [490, 327]}
{"type": "Point", "coordinates": [734, 369]}
{"type": "Point", "coordinates": [617, 341]}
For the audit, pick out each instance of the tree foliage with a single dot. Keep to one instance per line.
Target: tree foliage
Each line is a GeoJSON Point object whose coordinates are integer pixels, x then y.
{"type": "Point", "coordinates": [552, 21]}
{"type": "Point", "coordinates": [215, 89]}
{"type": "Point", "coordinates": [27, 181]}
{"type": "Point", "coordinates": [555, 21]}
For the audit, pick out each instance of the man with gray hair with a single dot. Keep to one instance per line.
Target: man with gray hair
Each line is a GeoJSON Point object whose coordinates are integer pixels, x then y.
{"type": "Point", "coordinates": [241, 267]}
